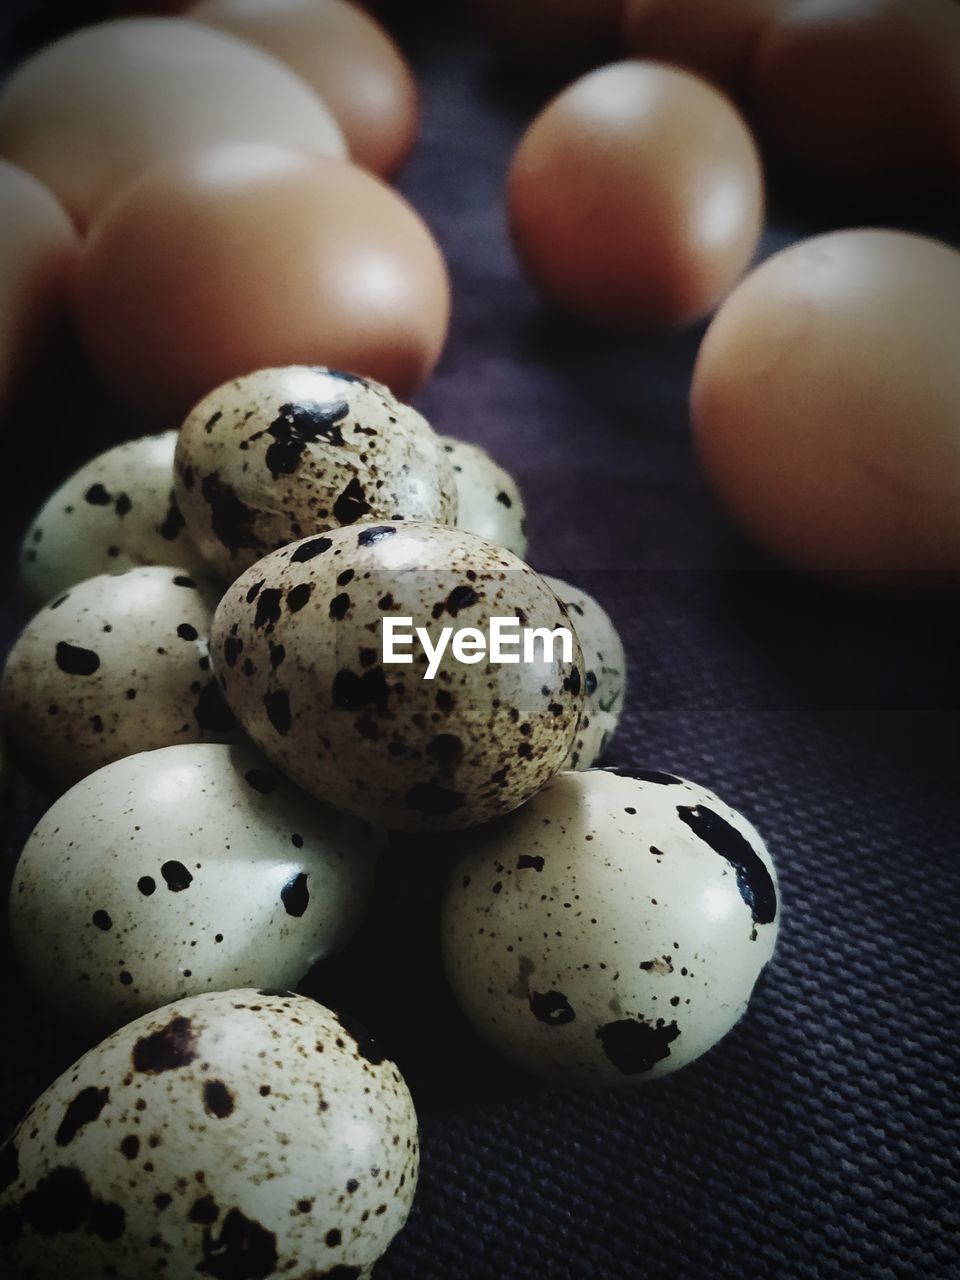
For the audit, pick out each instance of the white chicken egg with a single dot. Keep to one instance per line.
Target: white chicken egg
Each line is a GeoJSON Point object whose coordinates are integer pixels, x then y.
{"type": "Point", "coordinates": [282, 453]}
{"type": "Point", "coordinates": [116, 665]}
{"type": "Point", "coordinates": [488, 499]}
{"type": "Point", "coordinates": [116, 511]}
{"type": "Point", "coordinates": [148, 880]}
{"type": "Point", "coordinates": [605, 678]}
{"type": "Point", "coordinates": [237, 1135]}
{"type": "Point", "coordinates": [611, 930]}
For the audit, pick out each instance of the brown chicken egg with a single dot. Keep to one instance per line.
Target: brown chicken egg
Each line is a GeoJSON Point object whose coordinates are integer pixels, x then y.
{"type": "Point", "coordinates": [636, 197]}
{"type": "Point", "coordinates": [715, 38]}
{"type": "Point", "coordinates": [346, 56]}
{"type": "Point", "coordinates": [826, 404]}
{"type": "Point", "coordinates": [88, 114]}
{"type": "Point", "coordinates": [863, 93]}
{"type": "Point", "coordinates": [37, 256]}
{"type": "Point", "coordinates": [240, 258]}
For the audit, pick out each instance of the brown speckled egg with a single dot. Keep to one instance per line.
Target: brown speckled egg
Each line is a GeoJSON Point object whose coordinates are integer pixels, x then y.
{"type": "Point", "coordinates": [118, 664]}
{"type": "Point", "coordinates": [115, 512]}
{"type": "Point", "coordinates": [299, 646]}
{"type": "Point", "coordinates": [488, 499]}
{"type": "Point", "coordinates": [605, 673]}
{"type": "Point", "coordinates": [147, 880]}
{"type": "Point", "coordinates": [281, 453]}
{"type": "Point", "coordinates": [232, 1134]}
{"type": "Point", "coordinates": [613, 929]}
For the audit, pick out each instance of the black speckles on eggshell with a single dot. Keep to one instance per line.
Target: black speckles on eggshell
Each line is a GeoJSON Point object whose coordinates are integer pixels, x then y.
{"type": "Point", "coordinates": [295, 895]}
{"type": "Point", "coordinates": [122, 504]}
{"type": "Point", "coordinates": [551, 1007]}
{"type": "Point", "coordinates": [572, 683]}
{"type": "Point", "coordinates": [83, 1110]}
{"type": "Point", "coordinates": [102, 920]}
{"type": "Point", "coordinates": [298, 425]}
{"type": "Point", "coordinates": [173, 522]}
{"type": "Point", "coordinates": [147, 885]}
{"type": "Point", "coordinates": [98, 496]}
{"type": "Point", "coordinates": [232, 649]}
{"type": "Point", "coordinates": [181, 580]}
{"type": "Point", "coordinates": [277, 707]}
{"type": "Point", "coordinates": [75, 661]}
{"type": "Point", "coordinates": [204, 1211]}
{"type": "Point", "coordinates": [244, 1250]}
{"type": "Point", "coordinates": [298, 596]}
{"type": "Point", "coordinates": [107, 1220]}
{"type": "Point", "coordinates": [186, 631]}
{"type": "Point", "coordinates": [309, 550]}
{"type": "Point", "coordinates": [339, 606]}
{"type": "Point", "coordinates": [375, 533]}
{"type": "Point", "coordinates": [531, 861]}
{"type": "Point", "coordinates": [753, 879]}
{"type": "Point", "coordinates": [268, 607]}
{"type": "Point", "coordinates": [352, 504]}
{"type": "Point", "coordinates": [177, 876]}
{"type": "Point", "coordinates": [446, 749]}
{"type": "Point", "coordinates": [218, 1101]}
{"type": "Point", "coordinates": [351, 692]}
{"type": "Point", "coordinates": [232, 521]}
{"type": "Point", "coordinates": [255, 591]}
{"type": "Point", "coordinates": [130, 1146]}
{"type": "Point", "coordinates": [172, 1047]}
{"type": "Point", "coordinates": [461, 597]}
{"type": "Point", "coordinates": [59, 1204]}
{"type": "Point", "coordinates": [634, 1045]}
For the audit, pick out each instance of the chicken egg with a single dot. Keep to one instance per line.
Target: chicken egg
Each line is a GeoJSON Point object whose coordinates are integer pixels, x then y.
{"type": "Point", "coordinates": [826, 405]}
{"type": "Point", "coordinates": [636, 197]}
{"type": "Point", "coordinates": [116, 665]}
{"type": "Point", "coordinates": [613, 929]}
{"type": "Point", "coordinates": [38, 251]}
{"type": "Point", "coordinates": [90, 112]}
{"type": "Point", "coordinates": [346, 56]}
{"type": "Point", "coordinates": [237, 1135]}
{"type": "Point", "coordinates": [147, 880]}
{"type": "Point", "coordinates": [258, 257]}
{"type": "Point", "coordinates": [115, 512]}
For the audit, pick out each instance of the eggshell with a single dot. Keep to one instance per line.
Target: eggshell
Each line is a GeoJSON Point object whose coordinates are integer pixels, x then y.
{"type": "Point", "coordinates": [115, 512]}
{"type": "Point", "coordinates": [298, 647]}
{"type": "Point", "coordinates": [38, 251]}
{"type": "Point", "coordinates": [715, 38]}
{"type": "Point", "coordinates": [148, 879]}
{"type": "Point", "coordinates": [489, 502]}
{"type": "Point", "coordinates": [345, 56]}
{"type": "Point", "coordinates": [281, 453]}
{"type": "Point", "coordinates": [231, 1134]}
{"type": "Point", "coordinates": [259, 257]}
{"type": "Point", "coordinates": [826, 405]}
{"type": "Point", "coordinates": [862, 97]}
{"type": "Point", "coordinates": [636, 197]}
{"type": "Point", "coordinates": [605, 673]}
{"type": "Point", "coordinates": [118, 664]}
{"type": "Point", "coordinates": [89, 113]}
{"type": "Point", "coordinates": [612, 930]}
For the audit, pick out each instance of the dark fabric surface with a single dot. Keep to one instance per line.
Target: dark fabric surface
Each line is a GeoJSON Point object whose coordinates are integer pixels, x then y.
{"type": "Point", "coordinates": [820, 1139]}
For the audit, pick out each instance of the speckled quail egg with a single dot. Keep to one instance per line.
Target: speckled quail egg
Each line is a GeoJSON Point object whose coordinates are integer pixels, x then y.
{"type": "Point", "coordinates": [116, 511]}
{"type": "Point", "coordinates": [117, 664]}
{"type": "Point", "coordinates": [488, 499]}
{"type": "Point", "coordinates": [281, 453]}
{"type": "Point", "coordinates": [148, 880]}
{"type": "Point", "coordinates": [613, 929]}
{"type": "Point", "coordinates": [605, 673]}
{"type": "Point", "coordinates": [301, 641]}
{"type": "Point", "coordinates": [238, 1135]}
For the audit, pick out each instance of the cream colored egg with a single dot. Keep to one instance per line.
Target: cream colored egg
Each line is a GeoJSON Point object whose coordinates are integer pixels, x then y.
{"type": "Point", "coordinates": [89, 113]}
{"type": "Point", "coordinates": [232, 1134]}
{"type": "Point", "coordinates": [489, 502]}
{"type": "Point", "coordinates": [282, 453]}
{"type": "Point", "coordinates": [605, 673]}
{"type": "Point", "coordinates": [148, 880]}
{"type": "Point", "coordinates": [116, 665]}
{"type": "Point", "coordinates": [613, 929]}
{"type": "Point", "coordinates": [115, 512]}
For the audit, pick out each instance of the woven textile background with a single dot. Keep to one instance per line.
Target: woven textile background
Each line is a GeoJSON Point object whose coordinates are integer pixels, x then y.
{"type": "Point", "coordinates": [820, 1139]}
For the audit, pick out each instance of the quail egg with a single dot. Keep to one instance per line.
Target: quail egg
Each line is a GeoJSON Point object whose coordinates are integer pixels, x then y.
{"type": "Point", "coordinates": [148, 880]}
{"type": "Point", "coordinates": [613, 929]}
{"type": "Point", "coordinates": [117, 664]}
{"type": "Point", "coordinates": [276, 455]}
{"type": "Point", "coordinates": [488, 499]}
{"type": "Point", "coordinates": [605, 678]}
{"type": "Point", "coordinates": [116, 511]}
{"type": "Point", "coordinates": [237, 1135]}
{"type": "Point", "coordinates": [362, 662]}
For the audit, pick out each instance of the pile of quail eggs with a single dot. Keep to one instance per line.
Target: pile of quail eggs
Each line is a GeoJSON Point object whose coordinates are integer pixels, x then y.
{"type": "Point", "coordinates": [203, 689]}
